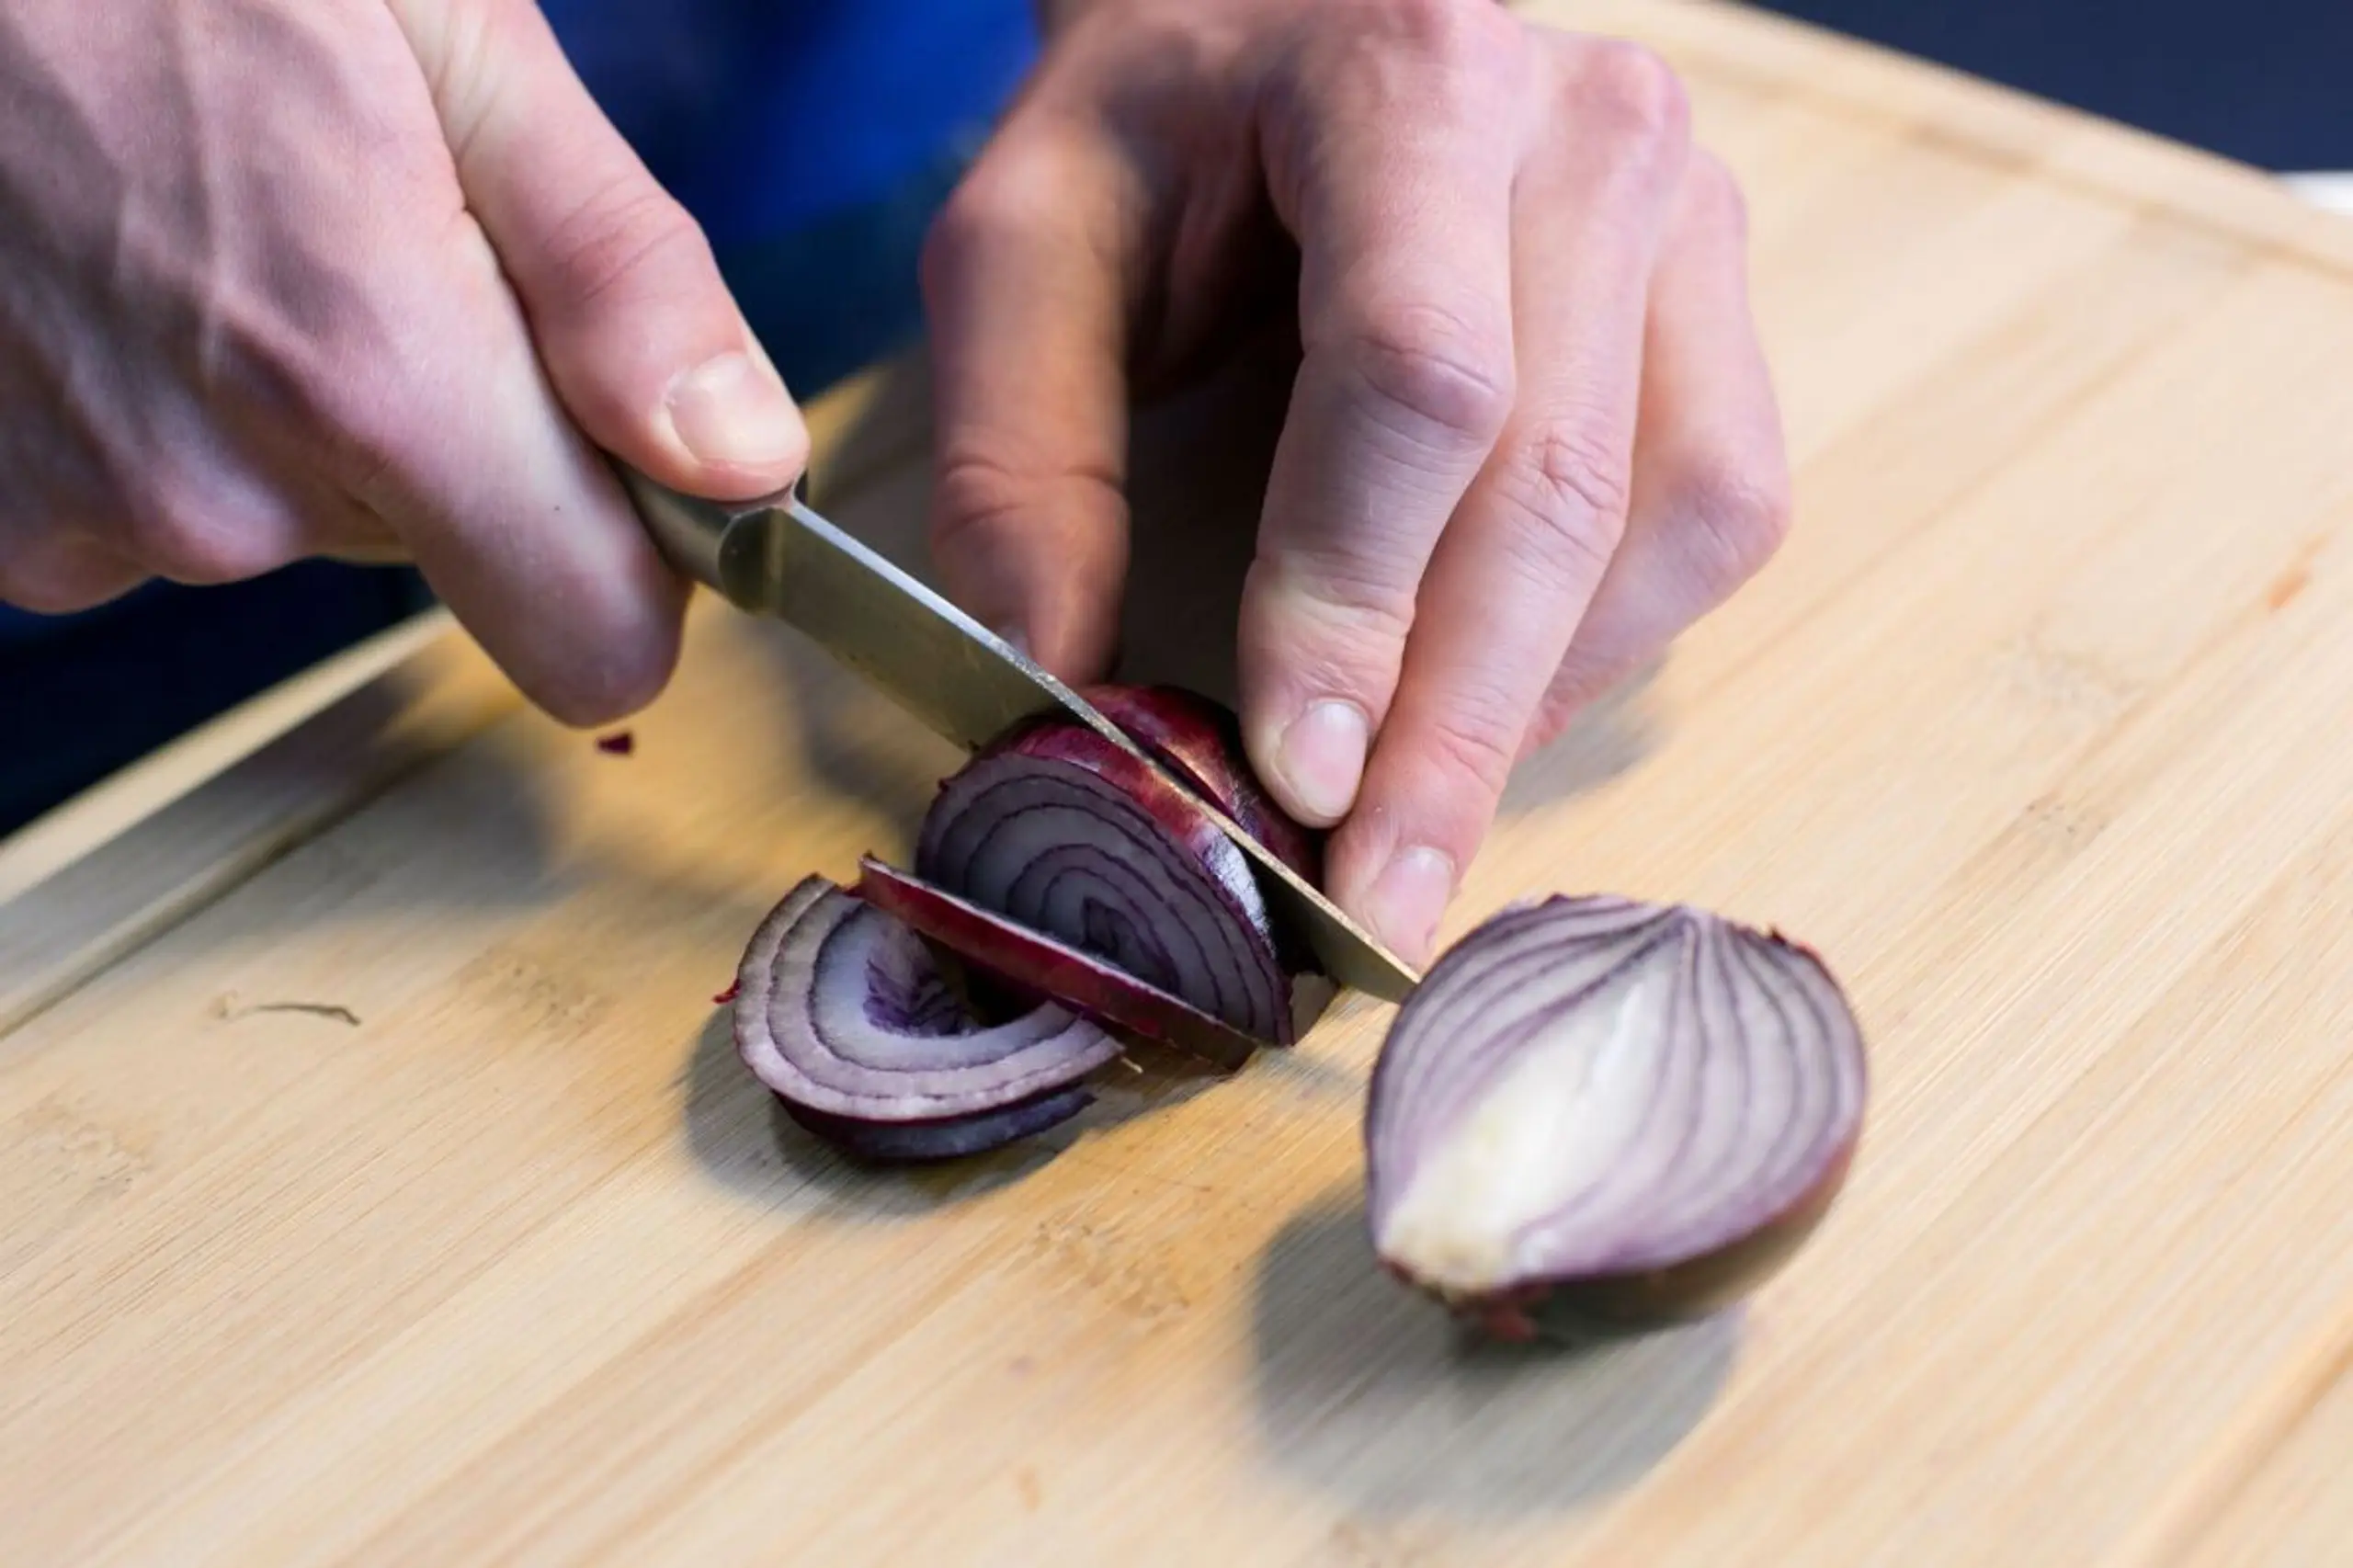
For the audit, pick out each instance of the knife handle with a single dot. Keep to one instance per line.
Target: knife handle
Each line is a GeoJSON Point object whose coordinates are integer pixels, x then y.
{"type": "Point", "coordinates": [688, 529]}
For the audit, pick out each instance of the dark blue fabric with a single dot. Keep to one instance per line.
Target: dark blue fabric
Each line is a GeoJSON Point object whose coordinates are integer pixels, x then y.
{"type": "Point", "coordinates": [2267, 82]}
{"type": "Point", "coordinates": [765, 115]}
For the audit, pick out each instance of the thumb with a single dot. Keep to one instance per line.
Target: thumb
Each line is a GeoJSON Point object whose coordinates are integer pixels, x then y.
{"type": "Point", "coordinates": [640, 336]}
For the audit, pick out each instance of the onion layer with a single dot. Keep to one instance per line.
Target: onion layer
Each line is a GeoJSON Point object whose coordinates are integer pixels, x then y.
{"type": "Point", "coordinates": [843, 1014]}
{"type": "Point", "coordinates": [1039, 969]}
{"type": "Point", "coordinates": [904, 1142]}
{"type": "Point", "coordinates": [1201, 742]}
{"type": "Point", "coordinates": [1063, 834]}
{"type": "Point", "coordinates": [1599, 1113]}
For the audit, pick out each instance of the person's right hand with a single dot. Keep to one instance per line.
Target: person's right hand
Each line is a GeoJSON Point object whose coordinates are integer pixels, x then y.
{"type": "Point", "coordinates": [358, 278]}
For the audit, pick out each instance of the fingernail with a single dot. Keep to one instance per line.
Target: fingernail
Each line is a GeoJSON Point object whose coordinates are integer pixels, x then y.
{"type": "Point", "coordinates": [1408, 899]}
{"type": "Point", "coordinates": [728, 410]}
{"type": "Point", "coordinates": [1322, 759]}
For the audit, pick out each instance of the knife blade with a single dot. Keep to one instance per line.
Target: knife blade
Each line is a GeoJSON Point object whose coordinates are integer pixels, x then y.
{"type": "Point", "coordinates": [776, 557]}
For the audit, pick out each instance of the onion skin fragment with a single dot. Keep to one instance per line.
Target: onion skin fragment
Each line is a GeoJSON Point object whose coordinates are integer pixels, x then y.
{"type": "Point", "coordinates": [842, 1014]}
{"type": "Point", "coordinates": [1598, 1117]}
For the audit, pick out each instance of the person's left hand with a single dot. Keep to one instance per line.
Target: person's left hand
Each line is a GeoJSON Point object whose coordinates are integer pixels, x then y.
{"type": "Point", "coordinates": [1532, 434]}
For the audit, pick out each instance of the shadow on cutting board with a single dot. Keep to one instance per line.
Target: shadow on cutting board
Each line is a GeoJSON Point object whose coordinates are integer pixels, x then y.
{"type": "Point", "coordinates": [1367, 1392]}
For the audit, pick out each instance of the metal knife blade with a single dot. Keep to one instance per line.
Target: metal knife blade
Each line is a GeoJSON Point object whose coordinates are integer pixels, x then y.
{"type": "Point", "coordinates": [776, 557]}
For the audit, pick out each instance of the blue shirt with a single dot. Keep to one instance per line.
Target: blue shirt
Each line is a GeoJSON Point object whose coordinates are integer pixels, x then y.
{"type": "Point", "coordinates": [766, 115]}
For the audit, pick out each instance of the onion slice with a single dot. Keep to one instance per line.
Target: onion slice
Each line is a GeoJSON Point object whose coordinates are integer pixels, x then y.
{"type": "Point", "coordinates": [1063, 834]}
{"type": "Point", "coordinates": [1039, 968]}
{"type": "Point", "coordinates": [1596, 1112]}
{"type": "Point", "coordinates": [1199, 739]}
{"type": "Point", "coordinates": [842, 1012]}
{"type": "Point", "coordinates": [953, 1137]}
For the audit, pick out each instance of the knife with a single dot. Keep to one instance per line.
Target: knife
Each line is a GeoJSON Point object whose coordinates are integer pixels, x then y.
{"type": "Point", "coordinates": [776, 557]}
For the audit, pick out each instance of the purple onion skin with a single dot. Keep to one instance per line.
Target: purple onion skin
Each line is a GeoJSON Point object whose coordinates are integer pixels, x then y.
{"type": "Point", "coordinates": [841, 1014]}
{"type": "Point", "coordinates": [1034, 968]}
{"type": "Point", "coordinates": [1003, 969]}
{"type": "Point", "coordinates": [1271, 1010]}
{"type": "Point", "coordinates": [1609, 1306]}
{"type": "Point", "coordinates": [1574, 1305]}
{"type": "Point", "coordinates": [1199, 739]}
{"type": "Point", "coordinates": [951, 1138]}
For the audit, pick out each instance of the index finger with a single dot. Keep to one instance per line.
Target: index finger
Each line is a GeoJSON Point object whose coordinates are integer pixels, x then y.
{"type": "Point", "coordinates": [1388, 165]}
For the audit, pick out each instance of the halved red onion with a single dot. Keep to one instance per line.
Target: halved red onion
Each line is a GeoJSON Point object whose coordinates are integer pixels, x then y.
{"type": "Point", "coordinates": [1199, 739]}
{"type": "Point", "coordinates": [1596, 1112]}
{"type": "Point", "coordinates": [1065, 834]}
{"type": "Point", "coordinates": [841, 1012]}
{"type": "Point", "coordinates": [1038, 967]}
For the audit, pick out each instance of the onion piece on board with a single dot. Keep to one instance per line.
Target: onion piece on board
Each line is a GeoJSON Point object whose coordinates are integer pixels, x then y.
{"type": "Point", "coordinates": [1063, 834]}
{"type": "Point", "coordinates": [1199, 739]}
{"type": "Point", "coordinates": [951, 1137]}
{"type": "Point", "coordinates": [1597, 1114]}
{"type": "Point", "coordinates": [842, 1013]}
{"type": "Point", "coordinates": [1039, 968]}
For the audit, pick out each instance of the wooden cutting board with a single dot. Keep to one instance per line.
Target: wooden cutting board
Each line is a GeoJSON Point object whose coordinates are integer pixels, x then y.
{"type": "Point", "coordinates": [379, 1184]}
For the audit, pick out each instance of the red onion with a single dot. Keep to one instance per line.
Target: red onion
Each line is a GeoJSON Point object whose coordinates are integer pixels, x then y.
{"type": "Point", "coordinates": [1201, 742]}
{"type": "Point", "coordinates": [1059, 869]}
{"type": "Point", "coordinates": [1596, 1113]}
{"type": "Point", "coordinates": [1039, 968]}
{"type": "Point", "coordinates": [1063, 834]}
{"type": "Point", "coordinates": [843, 1014]}
{"type": "Point", "coordinates": [949, 1137]}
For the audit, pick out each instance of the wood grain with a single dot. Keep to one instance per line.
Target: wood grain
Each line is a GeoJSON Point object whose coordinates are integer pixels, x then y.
{"type": "Point", "coordinates": [390, 1192]}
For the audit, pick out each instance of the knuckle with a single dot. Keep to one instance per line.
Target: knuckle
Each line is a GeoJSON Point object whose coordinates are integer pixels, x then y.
{"type": "Point", "coordinates": [1583, 676]}
{"type": "Point", "coordinates": [1443, 372]}
{"type": "Point", "coordinates": [1737, 516]}
{"type": "Point", "coordinates": [972, 498]}
{"type": "Point", "coordinates": [976, 494]}
{"type": "Point", "coordinates": [954, 237]}
{"type": "Point", "coordinates": [197, 544]}
{"type": "Point", "coordinates": [615, 236]}
{"type": "Point", "coordinates": [1569, 494]}
{"type": "Point", "coordinates": [1452, 31]}
{"type": "Point", "coordinates": [367, 444]}
{"type": "Point", "coordinates": [1474, 739]}
{"type": "Point", "coordinates": [1347, 597]}
{"type": "Point", "coordinates": [1714, 194]}
{"type": "Point", "coordinates": [1013, 192]}
{"type": "Point", "coordinates": [1634, 92]}
{"type": "Point", "coordinates": [338, 390]}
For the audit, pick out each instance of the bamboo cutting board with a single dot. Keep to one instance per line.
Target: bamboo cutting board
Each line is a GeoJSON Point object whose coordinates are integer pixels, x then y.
{"type": "Point", "coordinates": [379, 1186]}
